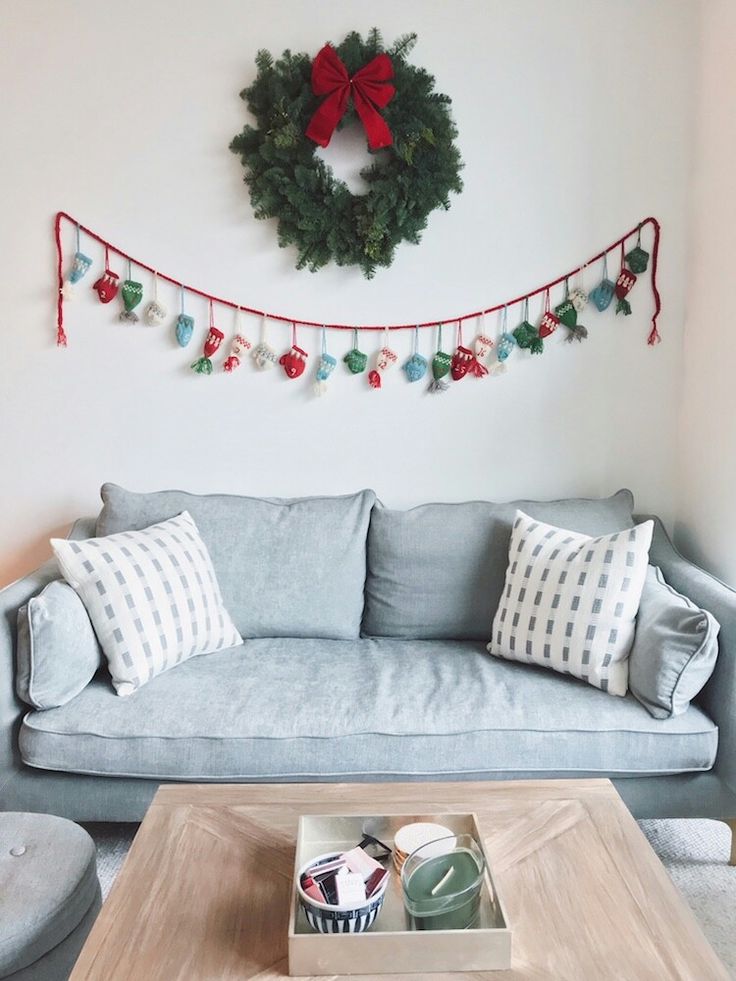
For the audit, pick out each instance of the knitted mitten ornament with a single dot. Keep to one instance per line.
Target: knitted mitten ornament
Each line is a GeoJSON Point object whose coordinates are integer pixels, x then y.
{"type": "Point", "coordinates": [203, 365]}
{"type": "Point", "coordinates": [441, 364]}
{"type": "Point", "coordinates": [155, 312]}
{"type": "Point", "coordinates": [602, 295]}
{"type": "Point", "coordinates": [624, 285]}
{"type": "Point", "coordinates": [264, 356]}
{"type": "Point", "coordinates": [295, 360]}
{"type": "Point", "coordinates": [415, 367]}
{"type": "Point", "coordinates": [637, 259]}
{"type": "Point", "coordinates": [568, 315]}
{"type": "Point", "coordinates": [550, 321]}
{"type": "Point", "coordinates": [462, 360]}
{"type": "Point", "coordinates": [106, 286]}
{"type": "Point", "coordinates": [132, 294]}
{"type": "Point", "coordinates": [184, 329]}
{"type": "Point", "coordinates": [238, 347]}
{"type": "Point", "coordinates": [506, 344]}
{"type": "Point", "coordinates": [528, 339]}
{"type": "Point", "coordinates": [384, 360]}
{"type": "Point", "coordinates": [80, 265]}
{"type": "Point", "coordinates": [482, 346]}
{"type": "Point", "coordinates": [355, 359]}
{"type": "Point", "coordinates": [325, 367]}
{"type": "Point", "coordinates": [579, 298]}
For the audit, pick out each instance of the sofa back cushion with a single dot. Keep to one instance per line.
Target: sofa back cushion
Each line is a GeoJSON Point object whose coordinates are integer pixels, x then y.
{"type": "Point", "coordinates": [286, 568]}
{"type": "Point", "coordinates": [437, 570]}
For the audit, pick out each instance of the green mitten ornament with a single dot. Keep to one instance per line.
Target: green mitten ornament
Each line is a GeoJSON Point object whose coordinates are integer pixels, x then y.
{"type": "Point", "coordinates": [441, 364]}
{"type": "Point", "coordinates": [132, 294]}
{"type": "Point", "coordinates": [568, 316]}
{"type": "Point", "coordinates": [637, 259]}
{"type": "Point", "coordinates": [526, 334]}
{"type": "Point", "coordinates": [355, 359]}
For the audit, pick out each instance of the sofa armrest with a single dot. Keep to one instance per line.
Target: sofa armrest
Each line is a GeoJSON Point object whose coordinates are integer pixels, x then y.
{"type": "Point", "coordinates": [11, 708]}
{"type": "Point", "coordinates": [718, 698]}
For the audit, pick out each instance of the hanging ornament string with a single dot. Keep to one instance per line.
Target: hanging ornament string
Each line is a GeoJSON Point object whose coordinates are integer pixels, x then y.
{"type": "Point", "coordinates": [109, 283]}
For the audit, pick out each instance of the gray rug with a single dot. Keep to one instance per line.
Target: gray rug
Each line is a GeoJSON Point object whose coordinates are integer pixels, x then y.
{"type": "Point", "coordinates": [694, 853]}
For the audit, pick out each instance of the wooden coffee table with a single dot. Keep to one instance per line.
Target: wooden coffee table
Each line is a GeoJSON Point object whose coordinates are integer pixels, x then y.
{"type": "Point", "coordinates": [205, 891]}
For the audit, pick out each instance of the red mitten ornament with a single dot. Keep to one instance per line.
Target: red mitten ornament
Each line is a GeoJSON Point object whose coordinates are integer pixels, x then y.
{"type": "Point", "coordinates": [548, 324]}
{"type": "Point", "coordinates": [462, 362]}
{"type": "Point", "coordinates": [215, 337]}
{"type": "Point", "coordinates": [294, 361]}
{"type": "Point", "coordinates": [624, 285]}
{"type": "Point", "coordinates": [107, 286]}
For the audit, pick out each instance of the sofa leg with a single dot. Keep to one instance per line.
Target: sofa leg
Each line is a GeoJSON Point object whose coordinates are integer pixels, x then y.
{"type": "Point", "coordinates": [731, 822]}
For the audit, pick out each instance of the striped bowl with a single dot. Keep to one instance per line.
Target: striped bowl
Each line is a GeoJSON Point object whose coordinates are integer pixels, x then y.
{"type": "Point", "coordinates": [325, 918]}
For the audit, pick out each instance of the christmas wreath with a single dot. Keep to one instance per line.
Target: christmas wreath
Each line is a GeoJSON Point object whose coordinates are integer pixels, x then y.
{"type": "Point", "coordinates": [298, 103]}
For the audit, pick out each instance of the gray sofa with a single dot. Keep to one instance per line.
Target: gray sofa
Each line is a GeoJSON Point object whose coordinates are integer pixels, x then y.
{"type": "Point", "coordinates": [408, 692]}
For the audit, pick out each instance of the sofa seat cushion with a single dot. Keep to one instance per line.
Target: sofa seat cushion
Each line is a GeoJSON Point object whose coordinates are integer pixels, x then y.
{"type": "Point", "coordinates": [292, 708]}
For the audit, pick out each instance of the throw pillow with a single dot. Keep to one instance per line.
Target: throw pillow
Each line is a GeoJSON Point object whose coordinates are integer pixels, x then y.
{"type": "Point", "coordinates": [57, 653]}
{"type": "Point", "coordinates": [675, 649]}
{"type": "Point", "coordinates": [152, 597]}
{"type": "Point", "coordinates": [569, 601]}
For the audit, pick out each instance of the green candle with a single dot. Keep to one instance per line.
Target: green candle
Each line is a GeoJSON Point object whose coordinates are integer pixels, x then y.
{"type": "Point", "coordinates": [442, 891]}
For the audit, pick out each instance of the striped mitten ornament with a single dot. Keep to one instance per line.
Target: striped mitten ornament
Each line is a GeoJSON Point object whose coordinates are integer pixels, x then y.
{"type": "Point", "coordinates": [385, 358]}
{"type": "Point", "coordinates": [238, 348]}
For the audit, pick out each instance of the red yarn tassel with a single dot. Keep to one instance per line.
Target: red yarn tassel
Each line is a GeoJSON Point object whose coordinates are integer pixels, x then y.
{"type": "Point", "coordinates": [654, 337]}
{"type": "Point", "coordinates": [60, 333]}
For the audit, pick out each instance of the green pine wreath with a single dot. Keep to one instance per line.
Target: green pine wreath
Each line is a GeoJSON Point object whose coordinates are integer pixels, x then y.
{"type": "Point", "coordinates": [315, 210]}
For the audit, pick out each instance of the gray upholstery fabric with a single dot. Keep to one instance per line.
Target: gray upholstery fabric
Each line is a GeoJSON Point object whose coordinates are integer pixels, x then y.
{"type": "Point", "coordinates": [281, 708]}
{"type": "Point", "coordinates": [286, 568]}
{"type": "Point", "coordinates": [718, 697]}
{"type": "Point", "coordinates": [57, 964]}
{"type": "Point", "coordinates": [437, 570]}
{"type": "Point", "coordinates": [57, 653]}
{"type": "Point", "coordinates": [674, 651]}
{"type": "Point", "coordinates": [47, 890]}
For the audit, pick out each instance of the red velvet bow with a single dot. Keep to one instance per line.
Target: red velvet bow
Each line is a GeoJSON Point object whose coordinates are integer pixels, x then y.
{"type": "Point", "coordinates": [370, 93]}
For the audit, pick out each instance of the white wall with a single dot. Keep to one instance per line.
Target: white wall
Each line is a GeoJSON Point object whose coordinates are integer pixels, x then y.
{"type": "Point", "coordinates": [706, 527]}
{"type": "Point", "coordinates": [575, 121]}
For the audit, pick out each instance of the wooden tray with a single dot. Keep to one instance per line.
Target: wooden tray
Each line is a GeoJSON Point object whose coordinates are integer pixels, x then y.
{"type": "Point", "coordinates": [391, 946]}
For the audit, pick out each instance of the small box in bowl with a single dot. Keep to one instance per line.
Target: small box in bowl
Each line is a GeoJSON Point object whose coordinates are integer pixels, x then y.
{"type": "Point", "coordinates": [334, 917]}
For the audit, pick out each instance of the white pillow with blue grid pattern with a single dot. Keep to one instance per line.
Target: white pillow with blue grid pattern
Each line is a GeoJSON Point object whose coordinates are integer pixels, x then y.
{"type": "Point", "coordinates": [152, 596]}
{"type": "Point", "coordinates": [570, 601]}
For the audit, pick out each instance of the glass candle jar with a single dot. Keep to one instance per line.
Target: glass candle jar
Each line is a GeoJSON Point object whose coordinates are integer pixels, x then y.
{"type": "Point", "coordinates": [441, 883]}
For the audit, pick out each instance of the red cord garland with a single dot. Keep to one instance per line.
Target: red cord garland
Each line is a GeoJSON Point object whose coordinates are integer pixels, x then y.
{"type": "Point", "coordinates": [61, 339]}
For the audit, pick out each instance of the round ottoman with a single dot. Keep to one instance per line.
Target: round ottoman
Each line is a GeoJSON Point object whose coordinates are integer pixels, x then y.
{"type": "Point", "coordinates": [50, 895]}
